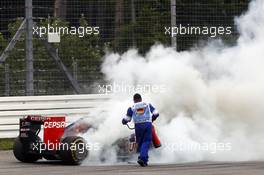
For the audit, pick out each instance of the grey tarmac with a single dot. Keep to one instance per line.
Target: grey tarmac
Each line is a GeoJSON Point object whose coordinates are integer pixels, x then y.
{"type": "Point", "coordinates": [9, 166]}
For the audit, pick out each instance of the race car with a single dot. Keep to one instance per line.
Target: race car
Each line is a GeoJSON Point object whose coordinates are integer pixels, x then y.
{"type": "Point", "coordinates": [59, 142]}
{"type": "Point", "coordinates": [127, 147]}
{"type": "Point", "coordinates": [64, 143]}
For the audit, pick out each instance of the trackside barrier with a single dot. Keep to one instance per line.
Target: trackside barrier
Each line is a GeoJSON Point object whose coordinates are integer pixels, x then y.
{"type": "Point", "coordinates": [13, 108]}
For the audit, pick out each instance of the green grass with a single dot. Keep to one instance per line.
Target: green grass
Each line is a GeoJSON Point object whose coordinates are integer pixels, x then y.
{"type": "Point", "coordinates": [6, 144]}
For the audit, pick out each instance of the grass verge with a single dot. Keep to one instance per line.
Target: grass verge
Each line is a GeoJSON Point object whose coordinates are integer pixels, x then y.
{"type": "Point", "coordinates": [6, 144]}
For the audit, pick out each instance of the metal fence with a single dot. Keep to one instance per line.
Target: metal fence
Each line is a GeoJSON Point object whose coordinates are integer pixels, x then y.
{"type": "Point", "coordinates": [122, 24]}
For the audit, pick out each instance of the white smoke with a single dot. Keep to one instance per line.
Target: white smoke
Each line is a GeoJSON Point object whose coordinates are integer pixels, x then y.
{"type": "Point", "coordinates": [214, 96]}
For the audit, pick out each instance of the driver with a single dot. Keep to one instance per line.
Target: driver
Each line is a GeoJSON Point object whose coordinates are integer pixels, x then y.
{"type": "Point", "coordinates": [142, 114]}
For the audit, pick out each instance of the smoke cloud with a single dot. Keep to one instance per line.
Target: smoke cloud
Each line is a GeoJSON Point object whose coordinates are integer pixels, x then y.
{"type": "Point", "coordinates": [212, 107]}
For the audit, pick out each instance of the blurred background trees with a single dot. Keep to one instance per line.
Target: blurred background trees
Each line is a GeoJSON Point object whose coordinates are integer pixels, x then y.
{"type": "Point", "coordinates": [123, 24]}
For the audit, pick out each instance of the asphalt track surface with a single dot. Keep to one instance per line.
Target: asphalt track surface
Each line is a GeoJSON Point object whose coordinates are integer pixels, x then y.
{"type": "Point", "coordinates": [9, 165]}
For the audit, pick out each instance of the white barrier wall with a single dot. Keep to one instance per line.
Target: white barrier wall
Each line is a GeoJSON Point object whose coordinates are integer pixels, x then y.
{"type": "Point", "coordinates": [13, 108]}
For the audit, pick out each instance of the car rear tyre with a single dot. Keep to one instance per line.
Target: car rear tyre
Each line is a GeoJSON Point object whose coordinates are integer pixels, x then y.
{"type": "Point", "coordinates": [22, 152]}
{"type": "Point", "coordinates": [73, 150]}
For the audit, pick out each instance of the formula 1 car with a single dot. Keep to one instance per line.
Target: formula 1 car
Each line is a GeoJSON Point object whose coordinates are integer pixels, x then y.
{"type": "Point", "coordinates": [127, 147]}
{"type": "Point", "coordinates": [59, 142]}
